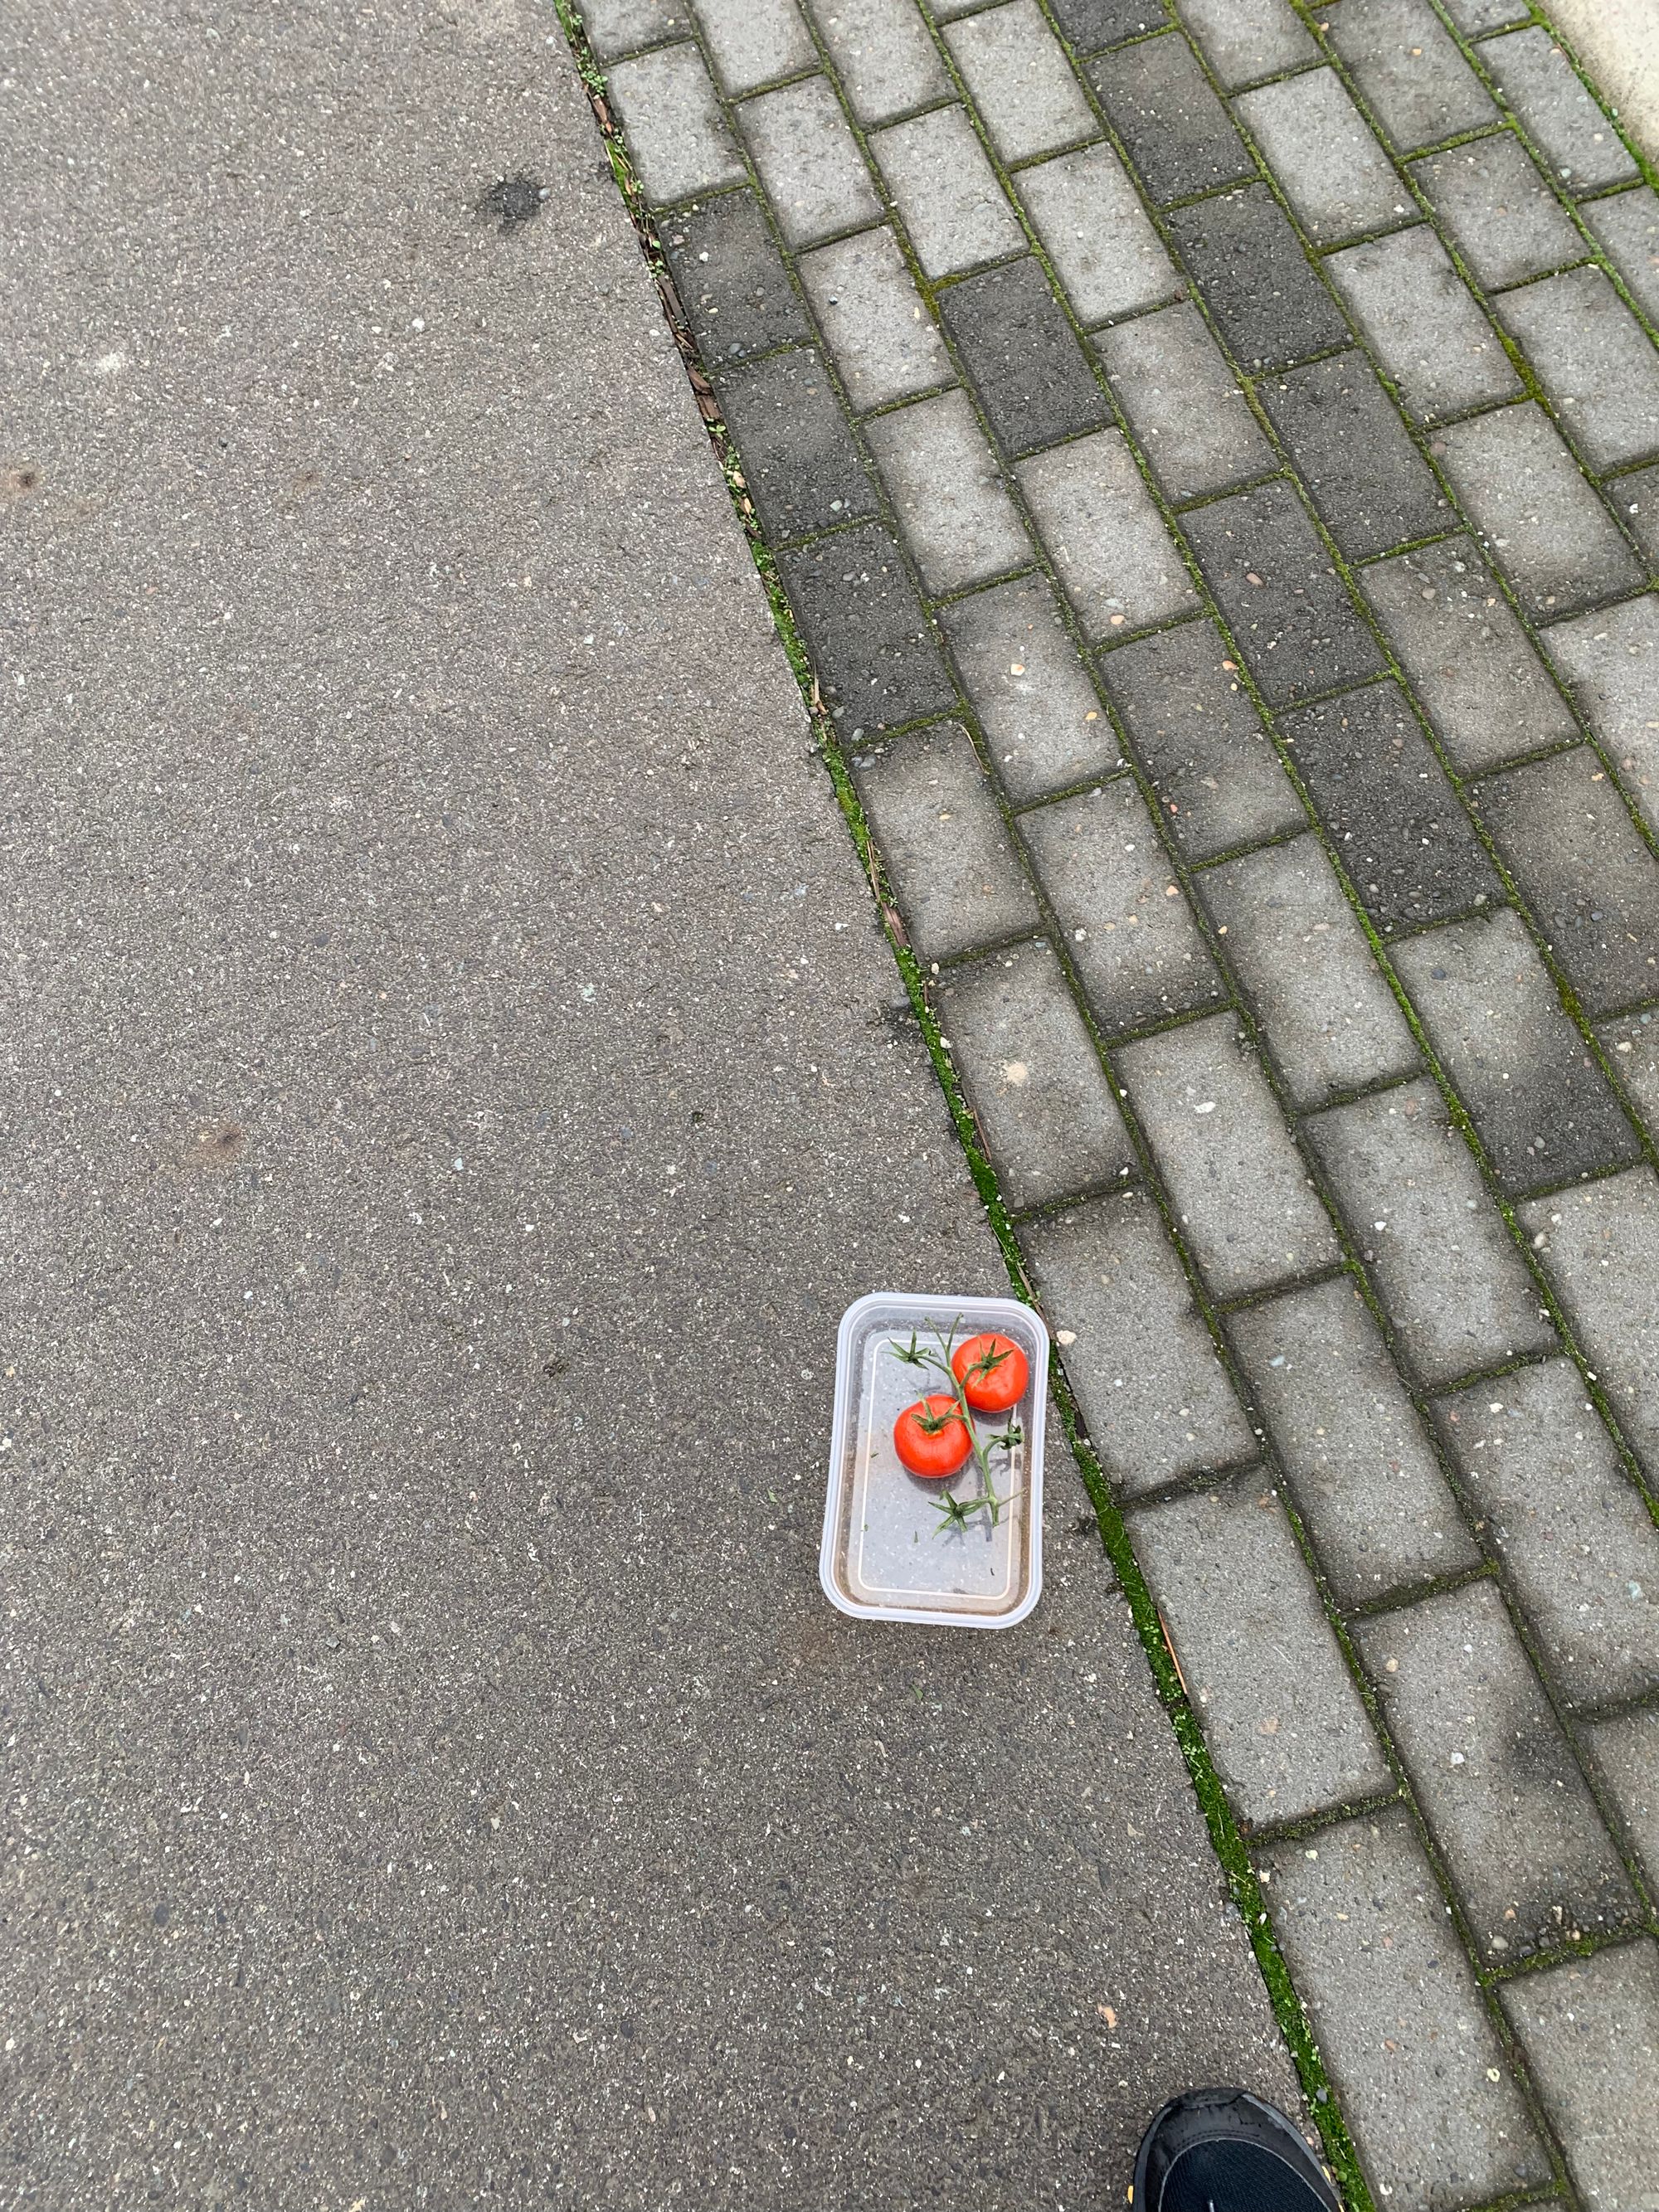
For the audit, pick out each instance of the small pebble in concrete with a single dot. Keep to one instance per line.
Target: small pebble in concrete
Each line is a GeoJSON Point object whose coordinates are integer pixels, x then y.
{"type": "Point", "coordinates": [1632, 1045]}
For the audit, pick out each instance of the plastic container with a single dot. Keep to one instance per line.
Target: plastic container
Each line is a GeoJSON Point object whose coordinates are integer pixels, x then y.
{"type": "Point", "coordinates": [888, 1554]}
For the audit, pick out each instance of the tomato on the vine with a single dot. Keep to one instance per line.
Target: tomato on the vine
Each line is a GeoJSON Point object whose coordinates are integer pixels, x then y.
{"type": "Point", "coordinates": [993, 1371]}
{"type": "Point", "coordinates": [931, 1438]}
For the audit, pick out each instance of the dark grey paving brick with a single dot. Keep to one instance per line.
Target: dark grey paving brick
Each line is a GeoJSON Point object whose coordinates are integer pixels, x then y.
{"type": "Point", "coordinates": [1592, 883]}
{"type": "Point", "coordinates": [1021, 82]}
{"type": "Point", "coordinates": [1130, 934]}
{"type": "Point", "coordinates": [1330, 1021]}
{"type": "Point", "coordinates": [1633, 1044]}
{"type": "Point", "coordinates": [1091, 24]}
{"type": "Point", "coordinates": [958, 880]}
{"type": "Point", "coordinates": [882, 55]}
{"type": "Point", "coordinates": [1409, 71]}
{"type": "Point", "coordinates": [1433, 342]}
{"type": "Point", "coordinates": [1184, 403]}
{"type": "Point", "coordinates": [1596, 362]}
{"type": "Point", "coordinates": [620, 26]}
{"type": "Point", "coordinates": [1627, 228]}
{"type": "Point", "coordinates": [1115, 560]}
{"type": "Point", "coordinates": [1199, 740]}
{"type": "Point", "coordinates": [1109, 259]}
{"type": "Point", "coordinates": [1626, 1755]}
{"type": "Point", "coordinates": [1283, 1720]}
{"type": "Point", "coordinates": [755, 42]}
{"type": "Point", "coordinates": [1434, 2111]}
{"type": "Point", "coordinates": [1600, 1251]}
{"type": "Point", "coordinates": [798, 460]}
{"type": "Point", "coordinates": [1493, 1774]}
{"type": "Point", "coordinates": [1538, 517]}
{"type": "Point", "coordinates": [1246, 40]}
{"type": "Point", "coordinates": [1042, 721]}
{"type": "Point", "coordinates": [1023, 357]}
{"type": "Point", "coordinates": [1362, 1473]}
{"type": "Point", "coordinates": [1248, 1209]}
{"type": "Point", "coordinates": [1283, 600]}
{"type": "Point", "coordinates": [1590, 2031]}
{"type": "Point", "coordinates": [1173, 128]}
{"type": "Point", "coordinates": [1372, 488]}
{"type": "Point", "coordinates": [877, 330]}
{"type": "Point", "coordinates": [1248, 264]}
{"type": "Point", "coordinates": [1579, 1545]}
{"type": "Point", "coordinates": [956, 213]}
{"type": "Point", "coordinates": [1538, 1099]}
{"type": "Point", "coordinates": [1155, 1399]}
{"type": "Point", "coordinates": [1503, 218]}
{"type": "Point", "coordinates": [875, 655]}
{"type": "Point", "coordinates": [1611, 660]}
{"type": "Point", "coordinates": [952, 506]}
{"type": "Point", "coordinates": [1472, 666]}
{"type": "Point", "coordinates": [1325, 155]}
{"type": "Point", "coordinates": [1033, 1076]}
{"type": "Point", "coordinates": [1636, 500]}
{"type": "Point", "coordinates": [731, 279]}
{"type": "Point", "coordinates": [1557, 114]}
{"type": "Point", "coordinates": [676, 134]}
{"type": "Point", "coordinates": [1451, 1282]}
{"type": "Point", "coordinates": [1402, 835]}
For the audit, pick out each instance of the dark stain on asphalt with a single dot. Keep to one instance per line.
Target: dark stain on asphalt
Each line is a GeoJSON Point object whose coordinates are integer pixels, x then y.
{"type": "Point", "coordinates": [514, 200]}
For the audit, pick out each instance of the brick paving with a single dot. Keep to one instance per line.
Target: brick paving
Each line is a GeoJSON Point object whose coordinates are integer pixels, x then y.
{"type": "Point", "coordinates": [1207, 446]}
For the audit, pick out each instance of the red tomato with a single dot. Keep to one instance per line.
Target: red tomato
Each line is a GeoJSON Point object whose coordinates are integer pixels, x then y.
{"type": "Point", "coordinates": [993, 1371]}
{"type": "Point", "coordinates": [931, 1438]}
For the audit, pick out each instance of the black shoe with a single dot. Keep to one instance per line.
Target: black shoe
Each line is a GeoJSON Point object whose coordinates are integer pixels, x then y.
{"type": "Point", "coordinates": [1222, 2150]}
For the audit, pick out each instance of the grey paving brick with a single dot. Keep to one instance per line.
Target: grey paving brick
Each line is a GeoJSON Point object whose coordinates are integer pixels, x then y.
{"type": "Point", "coordinates": [731, 279]}
{"type": "Point", "coordinates": [1184, 403]}
{"type": "Point", "coordinates": [1403, 840]}
{"type": "Point", "coordinates": [1539, 1101]}
{"type": "Point", "coordinates": [1372, 488]}
{"type": "Point", "coordinates": [1557, 114]}
{"type": "Point", "coordinates": [1600, 1251]}
{"type": "Point", "coordinates": [1636, 500]}
{"type": "Point", "coordinates": [1597, 365]}
{"type": "Point", "coordinates": [873, 318]}
{"type": "Point", "coordinates": [882, 55]}
{"type": "Point", "coordinates": [1042, 720]}
{"type": "Point", "coordinates": [1591, 883]}
{"type": "Point", "coordinates": [1409, 71]}
{"type": "Point", "coordinates": [1249, 263]}
{"type": "Point", "coordinates": [1590, 2031]}
{"type": "Point", "coordinates": [1109, 259]}
{"type": "Point", "coordinates": [876, 657]}
{"type": "Point", "coordinates": [1611, 661]}
{"type": "Point", "coordinates": [1246, 40]}
{"type": "Point", "coordinates": [1472, 666]}
{"type": "Point", "coordinates": [1420, 2072]}
{"type": "Point", "coordinates": [1633, 1044]}
{"type": "Point", "coordinates": [1503, 218]}
{"type": "Point", "coordinates": [1021, 357]}
{"type": "Point", "coordinates": [1131, 936]}
{"type": "Point", "coordinates": [1017, 72]}
{"type": "Point", "coordinates": [955, 212]}
{"type": "Point", "coordinates": [1626, 1755]}
{"type": "Point", "coordinates": [1330, 1021]}
{"type": "Point", "coordinates": [1579, 1545]}
{"type": "Point", "coordinates": [1283, 600]}
{"type": "Point", "coordinates": [676, 134]}
{"type": "Point", "coordinates": [1283, 1720]}
{"type": "Point", "coordinates": [1362, 1472]}
{"type": "Point", "coordinates": [1033, 1076]}
{"type": "Point", "coordinates": [755, 42]}
{"type": "Point", "coordinates": [1198, 738]}
{"type": "Point", "coordinates": [1431, 339]}
{"type": "Point", "coordinates": [1174, 129]}
{"type": "Point", "coordinates": [1627, 228]}
{"type": "Point", "coordinates": [1246, 1204]}
{"type": "Point", "coordinates": [952, 509]}
{"type": "Point", "coordinates": [1473, 17]}
{"type": "Point", "coordinates": [1454, 1287]}
{"type": "Point", "coordinates": [621, 26]}
{"type": "Point", "coordinates": [1325, 155]}
{"type": "Point", "coordinates": [1091, 24]}
{"type": "Point", "coordinates": [1493, 1774]}
{"type": "Point", "coordinates": [1155, 1399]}
{"type": "Point", "coordinates": [1537, 516]}
{"type": "Point", "coordinates": [809, 161]}
{"type": "Point", "coordinates": [798, 460]}
{"type": "Point", "coordinates": [1115, 560]}
{"type": "Point", "coordinates": [929, 801]}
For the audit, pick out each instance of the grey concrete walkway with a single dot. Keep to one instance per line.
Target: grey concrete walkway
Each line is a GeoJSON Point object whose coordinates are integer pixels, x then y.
{"type": "Point", "coordinates": [454, 1088]}
{"type": "Point", "coordinates": [1213, 450]}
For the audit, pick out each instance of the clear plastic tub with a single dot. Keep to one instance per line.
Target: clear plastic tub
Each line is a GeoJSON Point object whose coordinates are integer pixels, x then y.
{"type": "Point", "coordinates": [889, 1552]}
